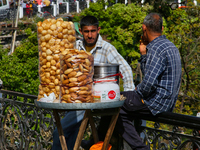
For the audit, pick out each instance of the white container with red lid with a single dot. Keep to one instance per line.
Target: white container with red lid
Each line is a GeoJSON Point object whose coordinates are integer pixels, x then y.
{"type": "Point", "coordinates": [106, 90]}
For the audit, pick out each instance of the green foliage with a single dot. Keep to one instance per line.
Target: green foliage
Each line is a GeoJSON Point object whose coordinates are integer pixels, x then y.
{"type": "Point", "coordinates": [184, 24]}
{"type": "Point", "coordinates": [23, 26]}
{"type": "Point", "coordinates": [3, 52]}
{"type": "Point", "coordinates": [76, 19]}
{"type": "Point", "coordinates": [37, 19]}
{"type": "Point", "coordinates": [19, 71]}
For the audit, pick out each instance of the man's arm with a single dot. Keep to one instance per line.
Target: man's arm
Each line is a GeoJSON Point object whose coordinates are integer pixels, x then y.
{"type": "Point", "coordinates": [114, 57]}
{"type": "Point", "coordinates": [143, 45]}
{"type": "Point", "coordinates": [154, 67]}
{"type": "Point", "coordinates": [143, 52]}
{"type": "Point", "coordinates": [142, 62]}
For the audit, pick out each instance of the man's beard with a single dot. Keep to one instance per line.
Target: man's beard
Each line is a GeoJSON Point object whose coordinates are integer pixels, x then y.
{"type": "Point", "coordinates": [91, 44]}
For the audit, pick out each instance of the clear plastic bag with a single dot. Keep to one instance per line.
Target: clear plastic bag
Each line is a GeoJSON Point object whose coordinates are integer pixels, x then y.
{"type": "Point", "coordinates": [48, 99]}
{"type": "Point", "coordinates": [54, 37]}
{"type": "Point", "coordinates": [77, 69]}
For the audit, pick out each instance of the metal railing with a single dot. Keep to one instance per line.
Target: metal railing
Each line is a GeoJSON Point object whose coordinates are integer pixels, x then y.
{"type": "Point", "coordinates": [24, 126]}
{"type": "Point", "coordinates": [181, 133]}
{"type": "Point", "coordinates": [7, 14]}
{"type": "Point", "coordinates": [67, 7]}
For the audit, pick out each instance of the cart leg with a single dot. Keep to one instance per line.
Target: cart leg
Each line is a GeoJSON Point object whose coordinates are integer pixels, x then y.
{"type": "Point", "coordinates": [94, 131]}
{"type": "Point", "coordinates": [82, 129]}
{"type": "Point", "coordinates": [60, 130]}
{"type": "Point", "coordinates": [110, 130]}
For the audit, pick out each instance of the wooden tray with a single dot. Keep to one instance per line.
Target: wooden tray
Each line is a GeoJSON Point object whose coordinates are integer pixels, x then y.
{"type": "Point", "coordinates": [79, 106]}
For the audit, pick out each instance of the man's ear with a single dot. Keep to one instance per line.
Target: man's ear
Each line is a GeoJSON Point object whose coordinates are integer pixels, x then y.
{"type": "Point", "coordinates": [99, 28]}
{"type": "Point", "coordinates": [144, 27]}
{"type": "Point", "coordinates": [80, 31]}
{"type": "Point", "coordinates": [162, 28]}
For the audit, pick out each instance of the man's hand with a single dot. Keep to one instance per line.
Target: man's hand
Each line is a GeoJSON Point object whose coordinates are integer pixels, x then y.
{"type": "Point", "coordinates": [143, 45]}
{"type": "Point", "coordinates": [133, 100]}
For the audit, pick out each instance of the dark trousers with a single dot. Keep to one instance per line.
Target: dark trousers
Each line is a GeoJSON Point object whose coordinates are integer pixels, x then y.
{"type": "Point", "coordinates": [124, 126]}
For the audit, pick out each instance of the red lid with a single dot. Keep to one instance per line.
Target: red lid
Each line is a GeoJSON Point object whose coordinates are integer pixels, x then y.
{"type": "Point", "coordinates": [105, 81]}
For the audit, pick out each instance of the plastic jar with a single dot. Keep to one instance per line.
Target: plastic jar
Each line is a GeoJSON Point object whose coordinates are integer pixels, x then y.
{"type": "Point", "coordinates": [106, 91]}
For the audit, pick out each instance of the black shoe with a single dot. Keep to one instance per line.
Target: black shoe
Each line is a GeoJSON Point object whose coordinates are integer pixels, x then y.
{"type": "Point", "coordinates": [86, 144]}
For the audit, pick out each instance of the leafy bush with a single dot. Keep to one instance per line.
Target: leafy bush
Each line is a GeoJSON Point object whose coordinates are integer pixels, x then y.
{"type": "Point", "coordinates": [19, 71]}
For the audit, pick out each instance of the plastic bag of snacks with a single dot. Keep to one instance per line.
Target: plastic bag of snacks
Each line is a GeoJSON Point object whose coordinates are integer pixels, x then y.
{"type": "Point", "coordinates": [54, 37]}
{"type": "Point", "coordinates": [77, 69]}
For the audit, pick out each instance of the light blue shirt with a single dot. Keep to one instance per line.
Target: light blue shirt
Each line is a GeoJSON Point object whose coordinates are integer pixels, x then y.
{"type": "Point", "coordinates": [104, 52]}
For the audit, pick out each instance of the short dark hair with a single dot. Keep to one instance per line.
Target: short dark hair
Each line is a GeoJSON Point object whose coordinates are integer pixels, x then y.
{"type": "Point", "coordinates": [154, 22]}
{"type": "Point", "coordinates": [89, 21]}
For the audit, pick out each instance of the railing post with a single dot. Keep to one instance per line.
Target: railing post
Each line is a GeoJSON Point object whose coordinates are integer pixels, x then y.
{"type": "Point", "coordinates": [142, 2]}
{"type": "Point", "coordinates": [67, 7]}
{"type": "Point", "coordinates": [126, 2]}
{"type": "Point", "coordinates": [54, 9]}
{"type": "Point", "coordinates": [21, 12]}
{"type": "Point", "coordinates": [195, 2]}
{"type": "Point", "coordinates": [106, 5]}
{"type": "Point", "coordinates": [57, 3]}
{"type": "Point", "coordinates": [39, 8]}
{"type": "Point", "coordinates": [88, 3]}
{"type": "Point", "coordinates": [77, 6]}
{"type": "Point", "coordinates": [179, 1]}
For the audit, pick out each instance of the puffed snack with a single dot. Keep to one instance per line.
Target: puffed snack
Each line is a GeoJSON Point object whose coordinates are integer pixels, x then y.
{"type": "Point", "coordinates": [77, 69]}
{"type": "Point", "coordinates": [54, 37]}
